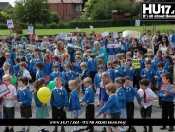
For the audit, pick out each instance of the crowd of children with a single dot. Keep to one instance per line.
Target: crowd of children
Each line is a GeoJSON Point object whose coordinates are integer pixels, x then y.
{"type": "Point", "coordinates": [81, 65]}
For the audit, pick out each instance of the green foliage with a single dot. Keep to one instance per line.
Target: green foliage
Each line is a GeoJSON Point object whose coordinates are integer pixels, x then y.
{"type": "Point", "coordinates": [32, 11]}
{"type": "Point", "coordinates": [102, 9]}
{"type": "Point", "coordinates": [54, 17]}
{"type": "Point", "coordinates": [89, 7]}
{"type": "Point", "coordinates": [85, 24]}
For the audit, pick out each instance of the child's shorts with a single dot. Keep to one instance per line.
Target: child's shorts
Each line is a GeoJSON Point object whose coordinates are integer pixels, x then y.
{"type": "Point", "coordinates": [8, 113]}
{"type": "Point", "coordinates": [78, 113]}
{"type": "Point", "coordinates": [26, 111]}
{"type": "Point", "coordinates": [102, 103]}
{"type": "Point", "coordinates": [123, 113]}
{"type": "Point", "coordinates": [146, 112]}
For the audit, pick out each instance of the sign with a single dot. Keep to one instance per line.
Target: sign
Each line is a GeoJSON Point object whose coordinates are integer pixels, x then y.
{"type": "Point", "coordinates": [129, 33]}
{"type": "Point", "coordinates": [10, 24]}
{"type": "Point", "coordinates": [3, 90]}
{"type": "Point", "coordinates": [30, 30]}
{"type": "Point", "coordinates": [137, 23]}
{"type": "Point", "coordinates": [156, 11]}
{"type": "Point", "coordinates": [105, 34]}
{"type": "Point", "coordinates": [115, 35]}
{"type": "Point", "coordinates": [168, 88]}
{"type": "Point", "coordinates": [113, 45]}
{"type": "Point", "coordinates": [136, 63]}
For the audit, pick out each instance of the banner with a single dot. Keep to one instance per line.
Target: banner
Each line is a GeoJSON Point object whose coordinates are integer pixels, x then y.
{"type": "Point", "coordinates": [10, 24]}
{"type": "Point", "coordinates": [30, 30]}
{"type": "Point", "coordinates": [115, 35]}
{"type": "Point", "coordinates": [137, 23]}
{"type": "Point", "coordinates": [133, 34]}
{"type": "Point", "coordinates": [113, 45]}
{"type": "Point", "coordinates": [86, 122]}
{"type": "Point", "coordinates": [168, 88]}
{"type": "Point", "coordinates": [3, 90]}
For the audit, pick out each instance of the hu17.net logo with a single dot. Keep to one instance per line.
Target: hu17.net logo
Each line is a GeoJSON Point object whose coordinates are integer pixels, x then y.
{"type": "Point", "coordinates": [154, 11]}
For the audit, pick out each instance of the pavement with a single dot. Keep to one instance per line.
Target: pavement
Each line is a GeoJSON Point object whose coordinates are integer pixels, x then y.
{"type": "Point", "coordinates": [156, 113]}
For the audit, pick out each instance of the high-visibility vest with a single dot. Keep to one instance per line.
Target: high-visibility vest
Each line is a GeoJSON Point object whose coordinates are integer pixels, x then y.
{"type": "Point", "coordinates": [136, 63]}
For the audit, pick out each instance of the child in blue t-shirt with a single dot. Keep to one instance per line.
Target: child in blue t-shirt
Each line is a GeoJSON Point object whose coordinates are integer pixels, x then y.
{"type": "Point", "coordinates": [112, 105]}
{"type": "Point", "coordinates": [120, 91]}
{"type": "Point", "coordinates": [24, 100]}
{"type": "Point", "coordinates": [40, 73]}
{"type": "Point", "coordinates": [168, 63]}
{"type": "Point", "coordinates": [129, 70]}
{"type": "Point", "coordinates": [158, 77]}
{"type": "Point", "coordinates": [148, 73]}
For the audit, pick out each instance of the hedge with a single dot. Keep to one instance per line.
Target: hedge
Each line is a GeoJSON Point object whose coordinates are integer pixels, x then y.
{"type": "Point", "coordinates": [85, 24]}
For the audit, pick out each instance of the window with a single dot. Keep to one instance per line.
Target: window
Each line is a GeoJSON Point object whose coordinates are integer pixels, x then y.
{"type": "Point", "coordinates": [78, 17]}
{"type": "Point", "coordinates": [79, 7]}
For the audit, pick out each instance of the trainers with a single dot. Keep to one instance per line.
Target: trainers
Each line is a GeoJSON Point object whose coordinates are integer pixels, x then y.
{"type": "Point", "coordinates": [45, 130]}
{"type": "Point", "coordinates": [81, 129]}
{"type": "Point", "coordinates": [171, 129]}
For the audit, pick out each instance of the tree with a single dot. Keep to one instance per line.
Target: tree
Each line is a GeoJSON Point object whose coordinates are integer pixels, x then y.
{"type": "Point", "coordinates": [54, 17]}
{"type": "Point", "coordinates": [32, 12]}
{"type": "Point", "coordinates": [89, 7]}
{"type": "Point", "coordinates": [102, 9]}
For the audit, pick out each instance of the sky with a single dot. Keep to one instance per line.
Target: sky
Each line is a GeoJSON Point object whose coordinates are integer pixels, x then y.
{"type": "Point", "coordinates": [10, 1]}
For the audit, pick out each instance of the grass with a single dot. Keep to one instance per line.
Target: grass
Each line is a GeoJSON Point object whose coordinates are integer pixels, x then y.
{"type": "Point", "coordinates": [162, 28]}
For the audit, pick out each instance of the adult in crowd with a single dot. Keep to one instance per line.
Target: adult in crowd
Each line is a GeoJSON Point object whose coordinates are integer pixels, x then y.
{"type": "Point", "coordinates": [60, 50]}
{"type": "Point", "coordinates": [100, 52]}
{"type": "Point", "coordinates": [157, 39]}
{"type": "Point", "coordinates": [2, 59]}
{"type": "Point", "coordinates": [164, 46]}
{"type": "Point", "coordinates": [147, 40]}
{"type": "Point", "coordinates": [135, 45]}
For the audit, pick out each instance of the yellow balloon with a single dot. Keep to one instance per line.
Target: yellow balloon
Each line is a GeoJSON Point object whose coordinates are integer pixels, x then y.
{"type": "Point", "coordinates": [44, 94]}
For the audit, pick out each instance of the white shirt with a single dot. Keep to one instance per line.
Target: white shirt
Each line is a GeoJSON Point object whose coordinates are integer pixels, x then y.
{"type": "Point", "coordinates": [26, 74]}
{"type": "Point", "coordinates": [10, 103]}
{"type": "Point", "coordinates": [149, 94]}
{"type": "Point", "coordinates": [56, 52]}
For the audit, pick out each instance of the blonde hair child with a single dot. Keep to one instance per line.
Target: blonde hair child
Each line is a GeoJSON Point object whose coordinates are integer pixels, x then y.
{"type": "Point", "coordinates": [74, 105]}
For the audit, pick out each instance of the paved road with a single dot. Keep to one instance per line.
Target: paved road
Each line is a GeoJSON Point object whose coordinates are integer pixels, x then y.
{"type": "Point", "coordinates": [156, 113]}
